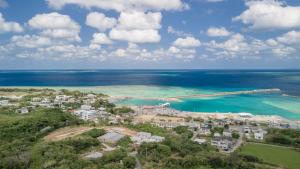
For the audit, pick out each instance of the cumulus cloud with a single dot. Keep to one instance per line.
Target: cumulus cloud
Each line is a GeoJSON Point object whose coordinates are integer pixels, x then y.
{"type": "Point", "coordinates": [99, 39]}
{"type": "Point", "coordinates": [53, 20]}
{"type": "Point", "coordinates": [187, 42]}
{"type": "Point", "coordinates": [137, 27]}
{"type": "Point", "coordinates": [172, 30]}
{"type": "Point", "coordinates": [140, 20]}
{"type": "Point", "coordinates": [291, 37]}
{"type": "Point", "coordinates": [100, 21]}
{"type": "Point", "coordinates": [31, 41]}
{"type": "Point", "coordinates": [122, 5]}
{"type": "Point", "coordinates": [141, 54]}
{"type": "Point", "coordinates": [9, 26]}
{"type": "Point", "coordinates": [264, 14]}
{"type": "Point", "coordinates": [56, 25]}
{"type": "Point", "coordinates": [215, 32]}
{"type": "Point", "coordinates": [135, 35]}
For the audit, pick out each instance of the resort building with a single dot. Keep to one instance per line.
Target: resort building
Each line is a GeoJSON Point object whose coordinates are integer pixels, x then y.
{"type": "Point", "coordinates": [86, 114]}
{"type": "Point", "coordinates": [141, 137]}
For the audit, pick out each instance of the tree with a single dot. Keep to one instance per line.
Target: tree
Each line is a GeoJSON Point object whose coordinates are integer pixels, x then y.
{"type": "Point", "coordinates": [129, 162]}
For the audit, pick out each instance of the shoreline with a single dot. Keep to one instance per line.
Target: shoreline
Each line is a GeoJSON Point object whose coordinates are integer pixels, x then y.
{"type": "Point", "coordinates": [161, 111]}
{"type": "Point", "coordinates": [114, 98]}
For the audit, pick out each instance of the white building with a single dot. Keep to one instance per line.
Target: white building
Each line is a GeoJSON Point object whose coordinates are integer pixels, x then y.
{"type": "Point", "coordinates": [86, 114]}
{"type": "Point", "coordinates": [36, 99]}
{"type": "Point", "coordinates": [200, 141]}
{"type": "Point", "coordinates": [259, 136]}
{"type": "Point", "coordinates": [4, 102]}
{"type": "Point", "coordinates": [146, 137]}
{"type": "Point", "coordinates": [24, 110]}
{"type": "Point", "coordinates": [86, 107]}
{"type": "Point", "coordinates": [227, 134]}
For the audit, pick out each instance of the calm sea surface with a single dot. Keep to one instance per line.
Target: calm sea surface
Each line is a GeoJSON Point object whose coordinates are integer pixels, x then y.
{"type": "Point", "coordinates": [180, 81]}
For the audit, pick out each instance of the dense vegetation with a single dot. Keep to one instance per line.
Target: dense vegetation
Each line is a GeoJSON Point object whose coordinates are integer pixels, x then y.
{"type": "Point", "coordinates": [19, 133]}
{"type": "Point", "coordinates": [288, 137]}
{"type": "Point", "coordinates": [179, 152]}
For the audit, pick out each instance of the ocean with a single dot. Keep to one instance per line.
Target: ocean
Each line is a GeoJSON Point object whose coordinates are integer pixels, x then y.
{"type": "Point", "coordinates": [146, 86]}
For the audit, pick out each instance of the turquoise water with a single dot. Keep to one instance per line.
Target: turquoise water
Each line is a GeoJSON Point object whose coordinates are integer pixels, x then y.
{"type": "Point", "coordinates": [148, 87]}
{"type": "Point", "coordinates": [258, 104]}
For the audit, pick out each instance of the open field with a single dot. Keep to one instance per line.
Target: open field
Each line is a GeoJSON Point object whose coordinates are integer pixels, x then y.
{"type": "Point", "coordinates": [278, 155]}
{"type": "Point", "coordinates": [68, 132]}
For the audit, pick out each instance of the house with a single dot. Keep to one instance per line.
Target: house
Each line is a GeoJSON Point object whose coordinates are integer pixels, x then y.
{"type": "Point", "coordinates": [36, 99]}
{"type": "Point", "coordinates": [85, 107]}
{"type": "Point", "coordinates": [24, 110]}
{"type": "Point", "coordinates": [146, 137]}
{"type": "Point", "coordinates": [86, 114]}
{"type": "Point", "coordinates": [222, 143]}
{"type": "Point", "coordinates": [91, 96]}
{"type": "Point", "coordinates": [111, 137]}
{"type": "Point", "coordinates": [4, 102]}
{"type": "Point", "coordinates": [204, 131]}
{"type": "Point", "coordinates": [217, 135]}
{"type": "Point", "coordinates": [61, 98]}
{"type": "Point", "coordinates": [227, 134]}
{"type": "Point", "coordinates": [200, 141]}
{"type": "Point", "coordinates": [247, 129]}
{"type": "Point", "coordinates": [259, 136]}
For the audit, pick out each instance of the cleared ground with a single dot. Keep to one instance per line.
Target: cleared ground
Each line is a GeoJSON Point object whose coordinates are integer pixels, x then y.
{"type": "Point", "coordinates": [68, 132]}
{"type": "Point", "coordinates": [283, 156]}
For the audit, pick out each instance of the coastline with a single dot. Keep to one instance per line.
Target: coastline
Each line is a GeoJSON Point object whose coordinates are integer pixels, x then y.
{"type": "Point", "coordinates": [217, 115]}
{"type": "Point", "coordinates": [242, 116]}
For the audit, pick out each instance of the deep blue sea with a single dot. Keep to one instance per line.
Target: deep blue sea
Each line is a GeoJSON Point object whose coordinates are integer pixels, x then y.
{"type": "Point", "coordinates": [214, 80]}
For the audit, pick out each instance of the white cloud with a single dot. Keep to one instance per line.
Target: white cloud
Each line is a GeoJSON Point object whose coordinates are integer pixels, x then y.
{"type": "Point", "coordinates": [263, 14]}
{"type": "Point", "coordinates": [62, 33]}
{"type": "Point", "coordinates": [215, 32]}
{"type": "Point", "coordinates": [100, 21]}
{"type": "Point", "coordinates": [180, 53]}
{"type": "Point", "coordinates": [137, 27]}
{"type": "Point", "coordinates": [28, 41]}
{"type": "Point", "coordinates": [187, 42]}
{"type": "Point", "coordinates": [53, 21]}
{"type": "Point", "coordinates": [283, 51]}
{"type": "Point", "coordinates": [56, 25]}
{"type": "Point", "coordinates": [135, 36]}
{"type": "Point", "coordinates": [141, 54]}
{"type": "Point", "coordinates": [101, 39]}
{"type": "Point", "coordinates": [171, 30]}
{"type": "Point", "coordinates": [292, 37]}
{"type": "Point", "coordinates": [122, 5]}
{"type": "Point", "coordinates": [140, 20]}
{"type": "Point", "coordinates": [9, 26]}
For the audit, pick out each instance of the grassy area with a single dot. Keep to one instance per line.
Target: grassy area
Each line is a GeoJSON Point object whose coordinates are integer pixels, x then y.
{"type": "Point", "coordinates": [282, 156]}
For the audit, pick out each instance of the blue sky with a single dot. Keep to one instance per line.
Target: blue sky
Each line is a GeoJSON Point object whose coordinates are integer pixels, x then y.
{"type": "Point", "coordinates": [149, 34]}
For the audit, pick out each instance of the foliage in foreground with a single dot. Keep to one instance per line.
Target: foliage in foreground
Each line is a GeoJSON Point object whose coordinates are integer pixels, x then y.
{"type": "Point", "coordinates": [19, 134]}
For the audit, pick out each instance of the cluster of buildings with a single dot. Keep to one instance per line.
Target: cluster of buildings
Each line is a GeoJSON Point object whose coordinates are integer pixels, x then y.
{"type": "Point", "coordinates": [145, 137]}
{"type": "Point", "coordinates": [254, 132]}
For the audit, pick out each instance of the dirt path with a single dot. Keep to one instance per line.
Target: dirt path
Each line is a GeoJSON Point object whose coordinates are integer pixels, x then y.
{"type": "Point", "coordinates": [66, 132]}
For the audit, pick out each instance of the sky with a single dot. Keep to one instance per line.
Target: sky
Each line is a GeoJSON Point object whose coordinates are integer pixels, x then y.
{"type": "Point", "coordinates": [149, 34]}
